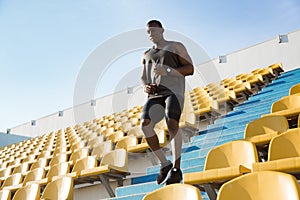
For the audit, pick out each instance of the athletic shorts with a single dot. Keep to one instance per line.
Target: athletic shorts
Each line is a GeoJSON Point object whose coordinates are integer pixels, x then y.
{"type": "Point", "coordinates": [166, 106]}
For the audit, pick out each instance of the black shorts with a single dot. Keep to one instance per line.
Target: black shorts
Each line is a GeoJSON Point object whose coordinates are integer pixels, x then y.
{"type": "Point", "coordinates": [167, 106]}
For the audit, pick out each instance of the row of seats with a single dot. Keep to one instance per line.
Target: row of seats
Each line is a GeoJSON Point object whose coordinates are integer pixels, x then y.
{"type": "Point", "coordinates": [92, 151]}
{"type": "Point", "coordinates": [61, 188]}
{"type": "Point", "coordinates": [209, 101]}
{"type": "Point", "coordinates": [265, 185]}
{"type": "Point", "coordinates": [236, 158]}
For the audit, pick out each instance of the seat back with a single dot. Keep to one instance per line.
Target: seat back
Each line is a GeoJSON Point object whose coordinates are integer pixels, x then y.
{"type": "Point", "coordinates": [101, 149]}
{"type": "Point", "coordinates": [175, 192]}
{"type": "Point", "coordinates": [13, 180]}
{"type": "Point", "coordinates": [266, 125]}
{"type": "Point", "coordinates": [295, 89]}
{"type": "Point", "coordinates": [117, 159]}
{"type": "Point", "coordinates": [287, 102]}
{"type": "Point", "coordinates": [59, 170]}
{"type": "Point", "coordinates": [61, 188]}
{"type": "Point", "coordinates": [28, 192]}
{"type": "Point", "coordinates": [126, 142]}
{"type": "Point", "coordinates": [22, 168]}
{"type": "Point", "coordinates": [42, 162]}
{"type": "Point", "coordinates": [58, 159]}
{"type": "Point", "coordinates": [84, 163]}
{"type": "Point", "coordinates": [5, 194]}
{"type": "Point", "coordinates": [230, 154]}
{"type": "Point", "coordinates": [4, 173]}
{"type": "Point", "coordinates": [36, 174]}
{"type": "Point", "coordinates": [79, 154]}
{"type": "Point", "coordinates": [285, 145]}
{"type": "Point", "coordinates": [264, 185]}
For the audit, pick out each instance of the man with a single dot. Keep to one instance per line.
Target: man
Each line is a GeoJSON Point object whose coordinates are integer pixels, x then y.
{"type": "Point", "coordinates": [165, 66]}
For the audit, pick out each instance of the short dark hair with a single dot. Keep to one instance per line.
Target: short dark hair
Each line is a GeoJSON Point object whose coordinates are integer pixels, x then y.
{"type": "Point", "coordinates": [155, 22]}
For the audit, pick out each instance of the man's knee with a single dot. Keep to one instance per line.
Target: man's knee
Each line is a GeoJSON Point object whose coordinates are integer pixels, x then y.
{"type": "Point", "coordinates": [146, 124]}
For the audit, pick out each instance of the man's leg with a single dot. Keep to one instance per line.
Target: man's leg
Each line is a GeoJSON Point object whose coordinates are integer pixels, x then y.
{"type": "Point", "coordinates": [173, 111]}
{"type": "Point", "coordinates": [176, 143]}
{"type": "Point", "coordinates": [152, 139]}
{"type": "Point", "coordinates": [154, 112]}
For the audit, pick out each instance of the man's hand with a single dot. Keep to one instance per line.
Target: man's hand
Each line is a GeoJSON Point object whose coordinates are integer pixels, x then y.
{"type": "Point", "coordinates": [150, 88]}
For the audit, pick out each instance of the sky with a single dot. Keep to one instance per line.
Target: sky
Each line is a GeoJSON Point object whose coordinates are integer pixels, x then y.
{"type": "Point", "coordinates": [43, 43]}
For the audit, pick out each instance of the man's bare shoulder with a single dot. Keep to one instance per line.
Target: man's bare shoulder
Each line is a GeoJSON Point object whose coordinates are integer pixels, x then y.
{"type": "Point", "coordinates": [175, 45]}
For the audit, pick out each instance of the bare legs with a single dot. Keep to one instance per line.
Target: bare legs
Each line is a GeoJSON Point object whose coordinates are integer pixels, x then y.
{"type": "Point", "coordinates": [153, 142]}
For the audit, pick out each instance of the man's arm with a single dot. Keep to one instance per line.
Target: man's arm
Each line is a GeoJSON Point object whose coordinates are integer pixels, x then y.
{"type": "Point", "coordinates": [187, 67]}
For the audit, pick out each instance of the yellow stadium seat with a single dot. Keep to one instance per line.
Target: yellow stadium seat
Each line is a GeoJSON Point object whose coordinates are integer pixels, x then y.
{"type": "Point", "coordinates": [4, 173]}
{"type": "Point", "coordinates": [295, 89]}
{"type": "Point", "coordinates": [267, 185]}
{"type": "Point", "coordinates": [12, 181]}
{"type": "Point", "coordinates": [126, 142]}
{"type": "Point", "coordinates": [42, 162]}
{"type": "Point", "coordinates": [34, 175]}
{"type": "Point", "coordinates": [136, 131]}
{"type": "Point", "coordinates": [114, 165]}
{"type": "Point", "coordinates": [276, 68]}
{"type": "Point", "coordinates": [78, 145]}
{"type": "Point", "coordinates": [95, 141]}
{"type": "Point", "coordinates": [175, 192]}
{"type": "Point", "coordinates": [266, 73]}
{"type": "Point", "coordinates": [284, 153]}
{"type": "Point", "coordinates": [78, 154]}
{"type": "Point", "coordinates": [22, 168]}
{"type": "Point", "coordinates": [262, 130]}
{"type": "Point", "coordinates": [58, 159]}
{"type": "Point", "coordinates": [223, 163]}
{"type": "Point", "coordinates": [31, 158]}
{"type": "Point", "coordinates": [115, 136]}
{"type": "Point", "coordinates": [56, 171]}
{"type": "Point", "coordinates": [5, 194]}
{"type": "Point", "coordinates": [101, 149]}
{"type": "Point", "coordinates": [61, 188]}
{"type": "Point", "coordinates": [288, 106]}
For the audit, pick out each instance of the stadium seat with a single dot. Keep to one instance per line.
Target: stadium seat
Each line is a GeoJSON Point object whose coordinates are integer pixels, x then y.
{"type": "Point", "coordinates": [42, 162]}
{"type": "Point", "coordinates": [101, 149]}
{"type": "Point", "coordinates": [12, 181]}
{"type": "Point", "coordinates": [34, 175]}
{"type": "Point", "coordinates": [4, 173]}
{"type": "Point", "coordinates": [276, 68]}
{"type": "Point", "coordinates": [207, 110]}
{"type": "Point", "coordinates": [95, 141]}
{"type": "Point", "coordinates": [267, 185]}
{"type": "Point", "coordinates": [114, 165]}
{"type": "Point", "coordinates": [284, 153]}
{"type": "Point", "coordinates": [78, 154]}
{"type": "Point", "coordinates": [262, 130]}
{"type": "Point", "coordinates": [61, 188]}
{"type": "Point", "coordinates": [22, 168]}
{"type": "Point", "coordinates": [55, 172]}
{"type": "Point", "coordinates": [58, 159]}
{"type": "Point", "coordinates": [115, 136]}
{"type": "Point", "coordinates": [288, 106]}
{"type": "Point", "coordinates": [266, 73]}
{"type": "Point", "coordinates": [126, 142]}
{"type": "Point", "coordinates": [223, 163]}
{"type": "Point", "coordinates": [295, 89]}
{"type": "Point", "coordinates": [5, 194]}
{"type": "Point", "coordinates": [77, 145]}
{"type": "Point", "coordinates": [175, 192]}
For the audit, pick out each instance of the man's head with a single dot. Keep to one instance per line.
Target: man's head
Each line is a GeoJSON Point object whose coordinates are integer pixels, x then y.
{"type": "Point", "coordinates": [155, 30]}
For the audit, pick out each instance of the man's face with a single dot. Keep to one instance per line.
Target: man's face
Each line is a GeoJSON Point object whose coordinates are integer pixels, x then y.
{"type": "Point", "coordinates": [154, 32]}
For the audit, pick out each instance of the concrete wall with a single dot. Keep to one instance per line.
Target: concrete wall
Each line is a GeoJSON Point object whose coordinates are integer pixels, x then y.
{"type": "Point", "coordinates": [242, 61]}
